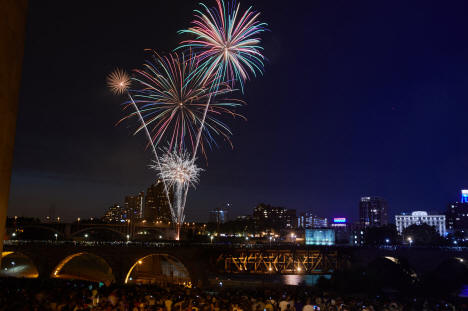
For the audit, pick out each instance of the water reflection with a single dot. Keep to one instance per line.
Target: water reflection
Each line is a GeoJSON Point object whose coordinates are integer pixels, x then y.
{"type": "Point", "coordinates": [301, 279]}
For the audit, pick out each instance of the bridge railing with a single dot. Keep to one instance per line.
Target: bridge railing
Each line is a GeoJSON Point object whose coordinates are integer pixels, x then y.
{"type": "Point", "coordinates": [256, 246]}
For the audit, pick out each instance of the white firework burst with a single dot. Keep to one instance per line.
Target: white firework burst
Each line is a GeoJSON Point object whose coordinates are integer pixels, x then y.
{"type": "Point", "coordinates": [178, 168]}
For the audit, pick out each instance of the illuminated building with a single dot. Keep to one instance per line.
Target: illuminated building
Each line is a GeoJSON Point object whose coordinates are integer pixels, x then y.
{"type": "Point", "coordinates": [308, 220]}
{"type": "Point", "coordinates": [457, 214]}
{"type": "Point", "coordinates": [464, 196]}
{"type": "Point", "coordinates": [115, 213]}
{"type": "Point", "coordinates": [373, 212]}
{"type": "Point", "coordinates": [219, 215]}
{"type": "Point", "coordinates": [156, 205]}
{"type": "Point", "coordinates": [134, 206]}
{"type": "Point", "coordinates": [274, 217]}
{"type": "Point", "coordinates": [319, 237]}
{"type": "Point", "coordinates": [418, 218]}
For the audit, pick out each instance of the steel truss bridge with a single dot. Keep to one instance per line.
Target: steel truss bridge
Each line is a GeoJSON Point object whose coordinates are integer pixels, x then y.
{"type": "Point", "coordinates": [310, 261]}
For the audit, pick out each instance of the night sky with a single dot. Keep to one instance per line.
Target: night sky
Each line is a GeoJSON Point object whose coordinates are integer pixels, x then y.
{"type": "Point", "coordinates": [358, 98]}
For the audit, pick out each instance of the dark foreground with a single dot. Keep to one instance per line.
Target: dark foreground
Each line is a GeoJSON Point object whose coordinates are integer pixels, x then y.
{"type": "Point", "coordinates": [23, 294]}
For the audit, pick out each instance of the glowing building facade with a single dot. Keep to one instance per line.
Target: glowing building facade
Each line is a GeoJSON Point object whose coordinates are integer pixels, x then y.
{"type": "Point", "coordinates": [319, 237]}
{"type": "Point", "coordinates": [308, 220]}
{"type": "Point", "coordinates": [418, 218]}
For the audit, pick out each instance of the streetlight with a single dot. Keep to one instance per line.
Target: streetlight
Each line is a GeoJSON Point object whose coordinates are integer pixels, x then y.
{"type": "Point", "coordinates": [128, 237]}
{"type": "Point", "coordinates": [86, 235]}
{"type": "Point", "coordinates": [270, 239]}
{"type": "Point", "coordinates": [387, 240]}
{"type": "Point", "coordinates": [410, 240]}
{"type": "Point", "coordinates": [211, 238]}
{"type": "Point", "coordinates": [56, 236]}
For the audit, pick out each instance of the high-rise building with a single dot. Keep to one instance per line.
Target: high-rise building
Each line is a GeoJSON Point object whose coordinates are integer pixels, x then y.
{"type": "Point", "coordinates": [219, 215]}
{"type": "Point", "coordinates": [274, 217]}
{"type": "Point", "coordinates": [308, 220]}
{"type": "Point", "coordinates": [373, 212]}
{"type": "Point", "coordinates": [115, 213]}
{"type": "Point", "coordinates": [134, 206]}
{"type": "Point", "coordinates": [457, 214]}
{"type": "Point", "coordinates": [418, 218]}
{"type": "Point", "coordinates": [156, 205]}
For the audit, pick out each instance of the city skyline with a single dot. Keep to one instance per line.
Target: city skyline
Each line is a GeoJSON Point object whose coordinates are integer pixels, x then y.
{"type": "Point", "coordinates": [401, 109]}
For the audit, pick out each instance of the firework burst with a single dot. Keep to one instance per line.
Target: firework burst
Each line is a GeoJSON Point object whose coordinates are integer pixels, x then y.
{"type": "Point", "coordinates": [118, 81]}
{"type": "Point", "coordinates": [178, 168]}
{"type": "Point", "coordinates": [227, 42]}
{"type": "Point", "coordinates": [171, 99]}
{"type": "Point", "coordinates": [179, 171]}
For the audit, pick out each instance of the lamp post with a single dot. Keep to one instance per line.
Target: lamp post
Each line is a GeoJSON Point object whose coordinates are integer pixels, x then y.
{"type": "Point", "coordinates": [410, 240]}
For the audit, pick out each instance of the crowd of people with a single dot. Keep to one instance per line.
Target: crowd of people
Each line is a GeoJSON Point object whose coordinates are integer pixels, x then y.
{"type": "Point", "coordinates": [70, 295]}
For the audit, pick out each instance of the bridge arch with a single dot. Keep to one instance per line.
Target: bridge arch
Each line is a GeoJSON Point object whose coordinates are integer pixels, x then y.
{"type": "Point", "coordinates": [102, 228]}
{"type": "Point", "coordinates": [160, 268]}
{"type": "Point", "coordinates": [17, 264]}
{"type": "Point", "coordinates": [84, 266]}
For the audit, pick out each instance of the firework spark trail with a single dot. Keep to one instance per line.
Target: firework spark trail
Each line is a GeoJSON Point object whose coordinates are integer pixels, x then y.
{"type": "Point", "coordinates": [119, 83]}
{"type": "Point", "coordinates": [158, 163]}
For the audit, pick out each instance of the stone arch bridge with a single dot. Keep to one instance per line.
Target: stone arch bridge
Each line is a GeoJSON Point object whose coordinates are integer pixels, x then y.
{"type": "Point", "coordinates": [202, 260]}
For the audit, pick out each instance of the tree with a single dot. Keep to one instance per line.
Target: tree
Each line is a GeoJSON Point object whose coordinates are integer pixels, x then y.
{"type": "Point", "coordinates": [423, 234]}
{"type": "Point", "coordinates": [381, 235]}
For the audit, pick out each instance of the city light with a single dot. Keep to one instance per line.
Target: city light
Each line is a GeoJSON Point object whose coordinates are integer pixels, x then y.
{"type": "Point", "coordinates": [339, 220]}
{"type": "Point", "coordinates": [464, 196]}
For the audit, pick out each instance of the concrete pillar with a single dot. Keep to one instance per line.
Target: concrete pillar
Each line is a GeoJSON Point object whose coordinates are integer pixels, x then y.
{"type": "Point", "coordinates": [12, 29]}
